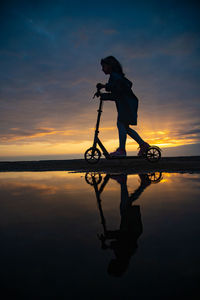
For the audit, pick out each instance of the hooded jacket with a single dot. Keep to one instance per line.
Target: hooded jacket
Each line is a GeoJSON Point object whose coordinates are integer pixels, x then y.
{"type": "Point", "coordinates": [119, 90]}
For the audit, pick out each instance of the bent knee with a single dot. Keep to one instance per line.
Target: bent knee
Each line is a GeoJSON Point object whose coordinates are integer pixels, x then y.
{"type": "Point", "coordinates": [121, 124]}
{"type": "Point", "coordinates": [126, 126]}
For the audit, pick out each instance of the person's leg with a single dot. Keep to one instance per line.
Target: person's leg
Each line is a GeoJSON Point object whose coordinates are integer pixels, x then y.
{"type": "Point", "coordinates": [122, 134]}
{"type": "Point", "coordinates": [143, 145]}
{"type": "Point", "coordinates": [134, 135]}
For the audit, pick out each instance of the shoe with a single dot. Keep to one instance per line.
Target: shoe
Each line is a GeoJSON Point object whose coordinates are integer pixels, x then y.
{"type": "Point", "coordinates": [143, 148]}
{"type": "Point", "coordinates": [118, 152]}
{"type": "Point", "coordinates": [144, 179]}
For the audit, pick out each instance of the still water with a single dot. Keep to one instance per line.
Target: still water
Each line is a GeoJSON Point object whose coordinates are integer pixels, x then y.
{"type": "Point", "coordinates": [97, 236]}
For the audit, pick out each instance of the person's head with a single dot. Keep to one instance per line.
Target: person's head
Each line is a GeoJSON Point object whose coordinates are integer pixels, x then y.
{"type": "Point", "coordinates": [111, 64]}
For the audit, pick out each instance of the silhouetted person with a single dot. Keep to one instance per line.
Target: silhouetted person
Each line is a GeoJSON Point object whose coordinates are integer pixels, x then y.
{"type": "Point", "coordinates": [119, 90]}
{"type": "Point", "coordinates": [124, 240]}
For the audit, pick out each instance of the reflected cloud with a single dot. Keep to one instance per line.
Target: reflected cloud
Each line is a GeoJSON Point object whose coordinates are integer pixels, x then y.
{"type": "Point", "coordinates": [31, 182]}
{"type": "Point", "coordinates": [17, 189]}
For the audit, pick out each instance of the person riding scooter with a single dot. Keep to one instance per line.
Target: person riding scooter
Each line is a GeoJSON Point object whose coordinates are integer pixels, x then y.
{"type": "Point", "coordinates": [119, 90]}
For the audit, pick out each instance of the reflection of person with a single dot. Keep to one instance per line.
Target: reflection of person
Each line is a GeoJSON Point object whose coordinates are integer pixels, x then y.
{"type": "Point", "coordinates": [119, 88]}
{"type": "Point", "coordinates": [124, 241]}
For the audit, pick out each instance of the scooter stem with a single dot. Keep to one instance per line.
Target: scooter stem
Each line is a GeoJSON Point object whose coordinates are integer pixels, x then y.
{"type": "Point", "coordinates": [98, 118]}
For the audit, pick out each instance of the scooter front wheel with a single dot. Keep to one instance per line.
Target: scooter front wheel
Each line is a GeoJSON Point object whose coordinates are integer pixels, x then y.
{"type": "Point", "coordinates": [92, 155]}
{"type": "Point", "coordinates": [153, 154]}
{"type": "Point", "coordinates": [90, 177]}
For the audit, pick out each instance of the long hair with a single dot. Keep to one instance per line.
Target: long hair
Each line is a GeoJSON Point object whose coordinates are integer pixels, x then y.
{"type": "Point", "coordinates": [114, 63]}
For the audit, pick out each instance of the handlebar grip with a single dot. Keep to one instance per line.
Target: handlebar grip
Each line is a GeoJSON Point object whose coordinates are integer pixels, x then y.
{"type": "Point", "coordinates": [97, 94]}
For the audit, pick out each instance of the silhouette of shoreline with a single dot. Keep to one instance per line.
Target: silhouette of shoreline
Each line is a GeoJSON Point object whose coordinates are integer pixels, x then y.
{"type": "Point", "coordinates": [136, 165]}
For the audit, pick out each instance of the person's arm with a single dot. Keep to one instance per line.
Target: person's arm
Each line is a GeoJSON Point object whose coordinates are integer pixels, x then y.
{"type": "Point", "coordinates": [100, 86]}
{"type": "Point", "coordinates": [107, 97]}
{"type": "Point", "coordinates": [114, 84]}
{"type": "Point", "coordinates": [113, 87]}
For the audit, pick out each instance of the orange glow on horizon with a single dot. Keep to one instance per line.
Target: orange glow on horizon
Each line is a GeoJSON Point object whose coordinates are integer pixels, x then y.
{"type": "Point", "coordinates": [52, 142]}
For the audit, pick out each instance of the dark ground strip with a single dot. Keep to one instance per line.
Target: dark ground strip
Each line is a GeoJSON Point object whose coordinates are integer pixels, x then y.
{"type": "Point", "coordinates": [136, 165]}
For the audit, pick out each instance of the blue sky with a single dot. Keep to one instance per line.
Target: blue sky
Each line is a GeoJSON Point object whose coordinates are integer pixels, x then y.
{"type": "Point", "coordinates": [50, 63]}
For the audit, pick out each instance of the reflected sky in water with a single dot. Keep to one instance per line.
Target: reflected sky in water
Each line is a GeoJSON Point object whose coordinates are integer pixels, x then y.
{"type": "Point", "coordinates": [54, 245]}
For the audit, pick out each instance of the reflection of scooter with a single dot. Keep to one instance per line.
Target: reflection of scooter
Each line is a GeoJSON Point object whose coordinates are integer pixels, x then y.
{"type": "Point", "coordinates": [124, 240]}
{"type": "Point", "coordinates": [95, 179]}
{"type": "Point", "coordinates": [93, 154]}
{"type": "Point", "coordinates": [154, 177]}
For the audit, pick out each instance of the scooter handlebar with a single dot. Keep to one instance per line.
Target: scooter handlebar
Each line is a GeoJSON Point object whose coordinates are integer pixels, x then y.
{"type": "Point", "coordinates": [97, 94]}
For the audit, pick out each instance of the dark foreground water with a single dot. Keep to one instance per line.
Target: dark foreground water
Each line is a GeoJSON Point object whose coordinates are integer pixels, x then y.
{"type": "Point", "coordinates": [104, 237]}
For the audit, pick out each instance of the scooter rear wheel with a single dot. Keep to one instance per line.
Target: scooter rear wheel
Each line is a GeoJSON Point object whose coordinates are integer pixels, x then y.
{"type": "Point", "coordinates": [92, 155]}
{"type": "Point", "coordinates": [153, 154]}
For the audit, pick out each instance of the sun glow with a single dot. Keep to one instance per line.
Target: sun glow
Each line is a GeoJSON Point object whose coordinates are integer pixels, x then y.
{"type": "Point", "coordinates": [68, 142]}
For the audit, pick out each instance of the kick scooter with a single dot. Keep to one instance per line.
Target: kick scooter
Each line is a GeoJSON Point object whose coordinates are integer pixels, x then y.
{"type": "Point", "coordinates": [93, 154]}
{"type": "Point", "coordinates": [94, 179]}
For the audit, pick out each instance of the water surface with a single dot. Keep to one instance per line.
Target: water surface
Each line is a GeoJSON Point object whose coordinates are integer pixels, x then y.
{"type": "Point", "coordinates": [64, 236]}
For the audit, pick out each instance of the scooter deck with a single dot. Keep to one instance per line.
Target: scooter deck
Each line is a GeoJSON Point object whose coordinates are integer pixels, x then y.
{"type": "Point", "coordinates": [124, 157]}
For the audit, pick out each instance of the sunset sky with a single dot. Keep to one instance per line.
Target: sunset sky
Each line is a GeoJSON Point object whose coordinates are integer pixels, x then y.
{"type": "Point", "coordinates": [50, 55]}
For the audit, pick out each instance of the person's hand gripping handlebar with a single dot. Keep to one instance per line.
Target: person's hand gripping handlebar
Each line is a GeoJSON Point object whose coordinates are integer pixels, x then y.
{"type": "Point", "coordinates": [99, 86]}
